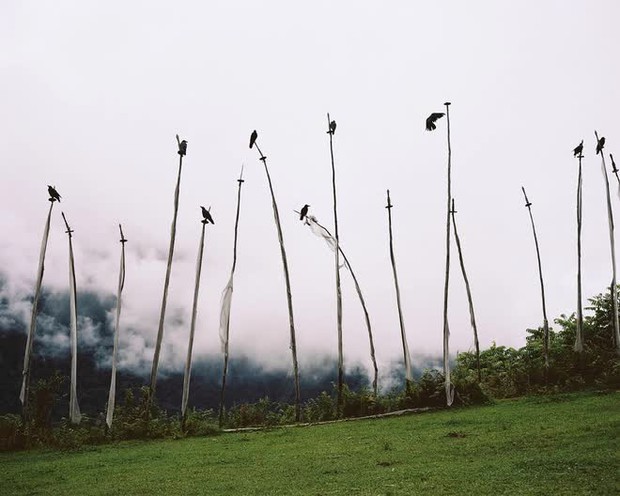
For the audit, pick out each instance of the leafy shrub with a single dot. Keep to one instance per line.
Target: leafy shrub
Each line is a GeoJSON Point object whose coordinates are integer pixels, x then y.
{"type": "Point", "coordinates": [200, 423]}
{"type": "Point", "coordinates": [12, 436]}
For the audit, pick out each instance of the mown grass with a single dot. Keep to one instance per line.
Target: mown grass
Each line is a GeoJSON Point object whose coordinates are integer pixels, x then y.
{"type": "Point", "coordinates": [562, 444]}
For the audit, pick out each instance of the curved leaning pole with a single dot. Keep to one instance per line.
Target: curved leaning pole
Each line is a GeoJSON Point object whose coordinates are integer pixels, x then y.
{"type": "Point", "coordinates": [289, 297]}
{"type": "Point", "coordinates": [401, 320]}
{"type": "Point", "coordinates": [182, 151]}
{"type": "Point", "coordinates": [321, 231]}
{"type": "Point", "coordinates": [470, 300]}
{"type": "Point", "coordinates": [600, 144]}
{"type": "Point", "coordinates": [528, 204]}
{"type": "Point", "coordinates": [206, 218]}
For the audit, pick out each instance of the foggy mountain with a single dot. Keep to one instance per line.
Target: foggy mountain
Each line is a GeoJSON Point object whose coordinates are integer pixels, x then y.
{"type": "Point", "coordinates": [248, 379]}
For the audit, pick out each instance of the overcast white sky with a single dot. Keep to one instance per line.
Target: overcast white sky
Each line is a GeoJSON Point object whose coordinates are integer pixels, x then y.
{"type": "Point", "coordinates": [92, 94]}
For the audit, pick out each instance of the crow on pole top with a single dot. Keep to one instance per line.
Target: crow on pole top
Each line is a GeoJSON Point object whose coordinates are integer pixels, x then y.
{"type": "Point", "coordinates": [206, 215]}
{"type": "Point", "coordinates": [182, 146]}
{"type": "Point", "coordinates": [431, 119]}
{"type": "Point", "coordinates": [332, 127]}
{"type": "Point", "coordinates": [578, 150]}
{"type": "Point", "coordinates": [54, 196]}
{"type": "Point", "coordinates": [304, 212]}
{"type": "Point", "coordinates": [253, 138]}
{"type": "Point", "coordinates": [600, 145]}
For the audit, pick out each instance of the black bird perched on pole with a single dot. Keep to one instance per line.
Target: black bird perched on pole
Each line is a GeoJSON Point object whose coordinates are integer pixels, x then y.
{"type": "Point", "coordinates": [600, 145]}
{"type": "Point", "coordinates": [54, 196]}
{"type": "Point", "coordinates": [207, 215]}
{"type": "Point", "coordinates": [578, 150]}
{"type": "Point", "coordinates": [182, 146]}
{"type": "Point", "coordinates": [332, 127]}
{"type": "Point", "coordinates": [430, 121]}
{"type": "Point", "coordinates": [304, 212]}
{"type": "Point", "coordinates": [614, 169]}
{"type": "Point", "coordinates": [253, 138]}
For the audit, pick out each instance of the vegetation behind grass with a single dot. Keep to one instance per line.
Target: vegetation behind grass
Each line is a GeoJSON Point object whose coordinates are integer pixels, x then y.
{"type": "Point", "coordinates": [556, 444]}
{"type": "Point", "coordinates": [506, 372]}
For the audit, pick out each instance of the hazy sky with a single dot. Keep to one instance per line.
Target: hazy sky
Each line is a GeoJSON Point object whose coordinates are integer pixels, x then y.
{"type": "Point", "coordinates": [93, 93]}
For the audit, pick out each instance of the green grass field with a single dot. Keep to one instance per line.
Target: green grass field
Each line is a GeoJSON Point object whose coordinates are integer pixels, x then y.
{"type": "Point", "coordinates": [548, 445]}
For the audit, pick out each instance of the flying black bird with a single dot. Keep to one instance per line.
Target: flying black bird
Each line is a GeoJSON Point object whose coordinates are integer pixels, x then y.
{"type": "Point", "coordinates": [207, 215]}
{"type": "Point", "coordinates": [614, 169]}
{"type": "Point", "coordinates": [253, 138]}
{"type": "Point", "coordinates": [430, 121]}
{"type": "Point", "coordinates": [578, 149]}
{"type": "Point", "coordinates": [332, 127]}
{"type": "Point", "coordinates": [53, 193]}
{"type": "Point", "coordinates": [304, 212]}
{"type": "Point", "coordinates": [600, 145]}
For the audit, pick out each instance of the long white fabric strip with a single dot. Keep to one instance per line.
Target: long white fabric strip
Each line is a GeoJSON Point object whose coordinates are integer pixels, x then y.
{"type": "Point", "coordinates": [225, 314]}
{"type": "Point", "coordinates": [320, 231]}
{"type": "Point", "coordinates": [74, 410]}
{"type": "Point", "coordinates": [579, 330]}
{"type": "Point", "coordinates": [121, 284]}
{"type": "Point", "coordinates": [35, 304]}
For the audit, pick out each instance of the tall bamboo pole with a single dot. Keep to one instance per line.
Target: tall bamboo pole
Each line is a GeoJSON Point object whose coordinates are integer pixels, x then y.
{"type": "Point", "coordinates": [121, 284]}
{"type": "Point", "coordinates": [528, 204]}
{"type": "Point", "coordinates": [579, 330]}
{"type": "Point", "coordinates": [192, 327]}
{"type": "Point", "coordinates": [74, 409]}
{"type": "Point", "coordinates": [289, 297]}
{"type": "Point", "coordinates": [403, 335]}
{"type": "Point", "coordinates": [325, 234]}
{"type": "Point", "coordinates": [470, 300]}
{"type": "Point", "coordinates": [331, 129]}
{"type": "Point", "coordinates": [226, 302]}
{"type": "Point", "coordinates": [446, 328]}
{"type": "Point", "coordinates": [24, 395]}
{"type": "Point", "coordinates": [173, 230]}
{"type": "Point", "coordinates": [612, 246]}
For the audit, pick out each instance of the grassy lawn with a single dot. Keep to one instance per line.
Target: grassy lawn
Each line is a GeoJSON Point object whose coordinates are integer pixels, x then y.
{"type": "Point", "coordinates": [553, 445]}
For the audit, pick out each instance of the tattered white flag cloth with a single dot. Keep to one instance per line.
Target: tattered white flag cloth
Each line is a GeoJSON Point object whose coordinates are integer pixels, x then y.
{"type": "Point", "coordinates": [121, 284]}
{"type": "Point", "coordinates": [227, 300]}
{"type": "Point", "coordinates": [578, 328]}
{"type": "Point", "coordinates": [74, 410]}
{"type": "Point", "coordinates": [225, 315]}
{"type": "Point", "coordinates": [320, 231]}
{"type": "Point", "coordinates": [35, 303]}
{"type": "Point", "coordinates": [446, 365]}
